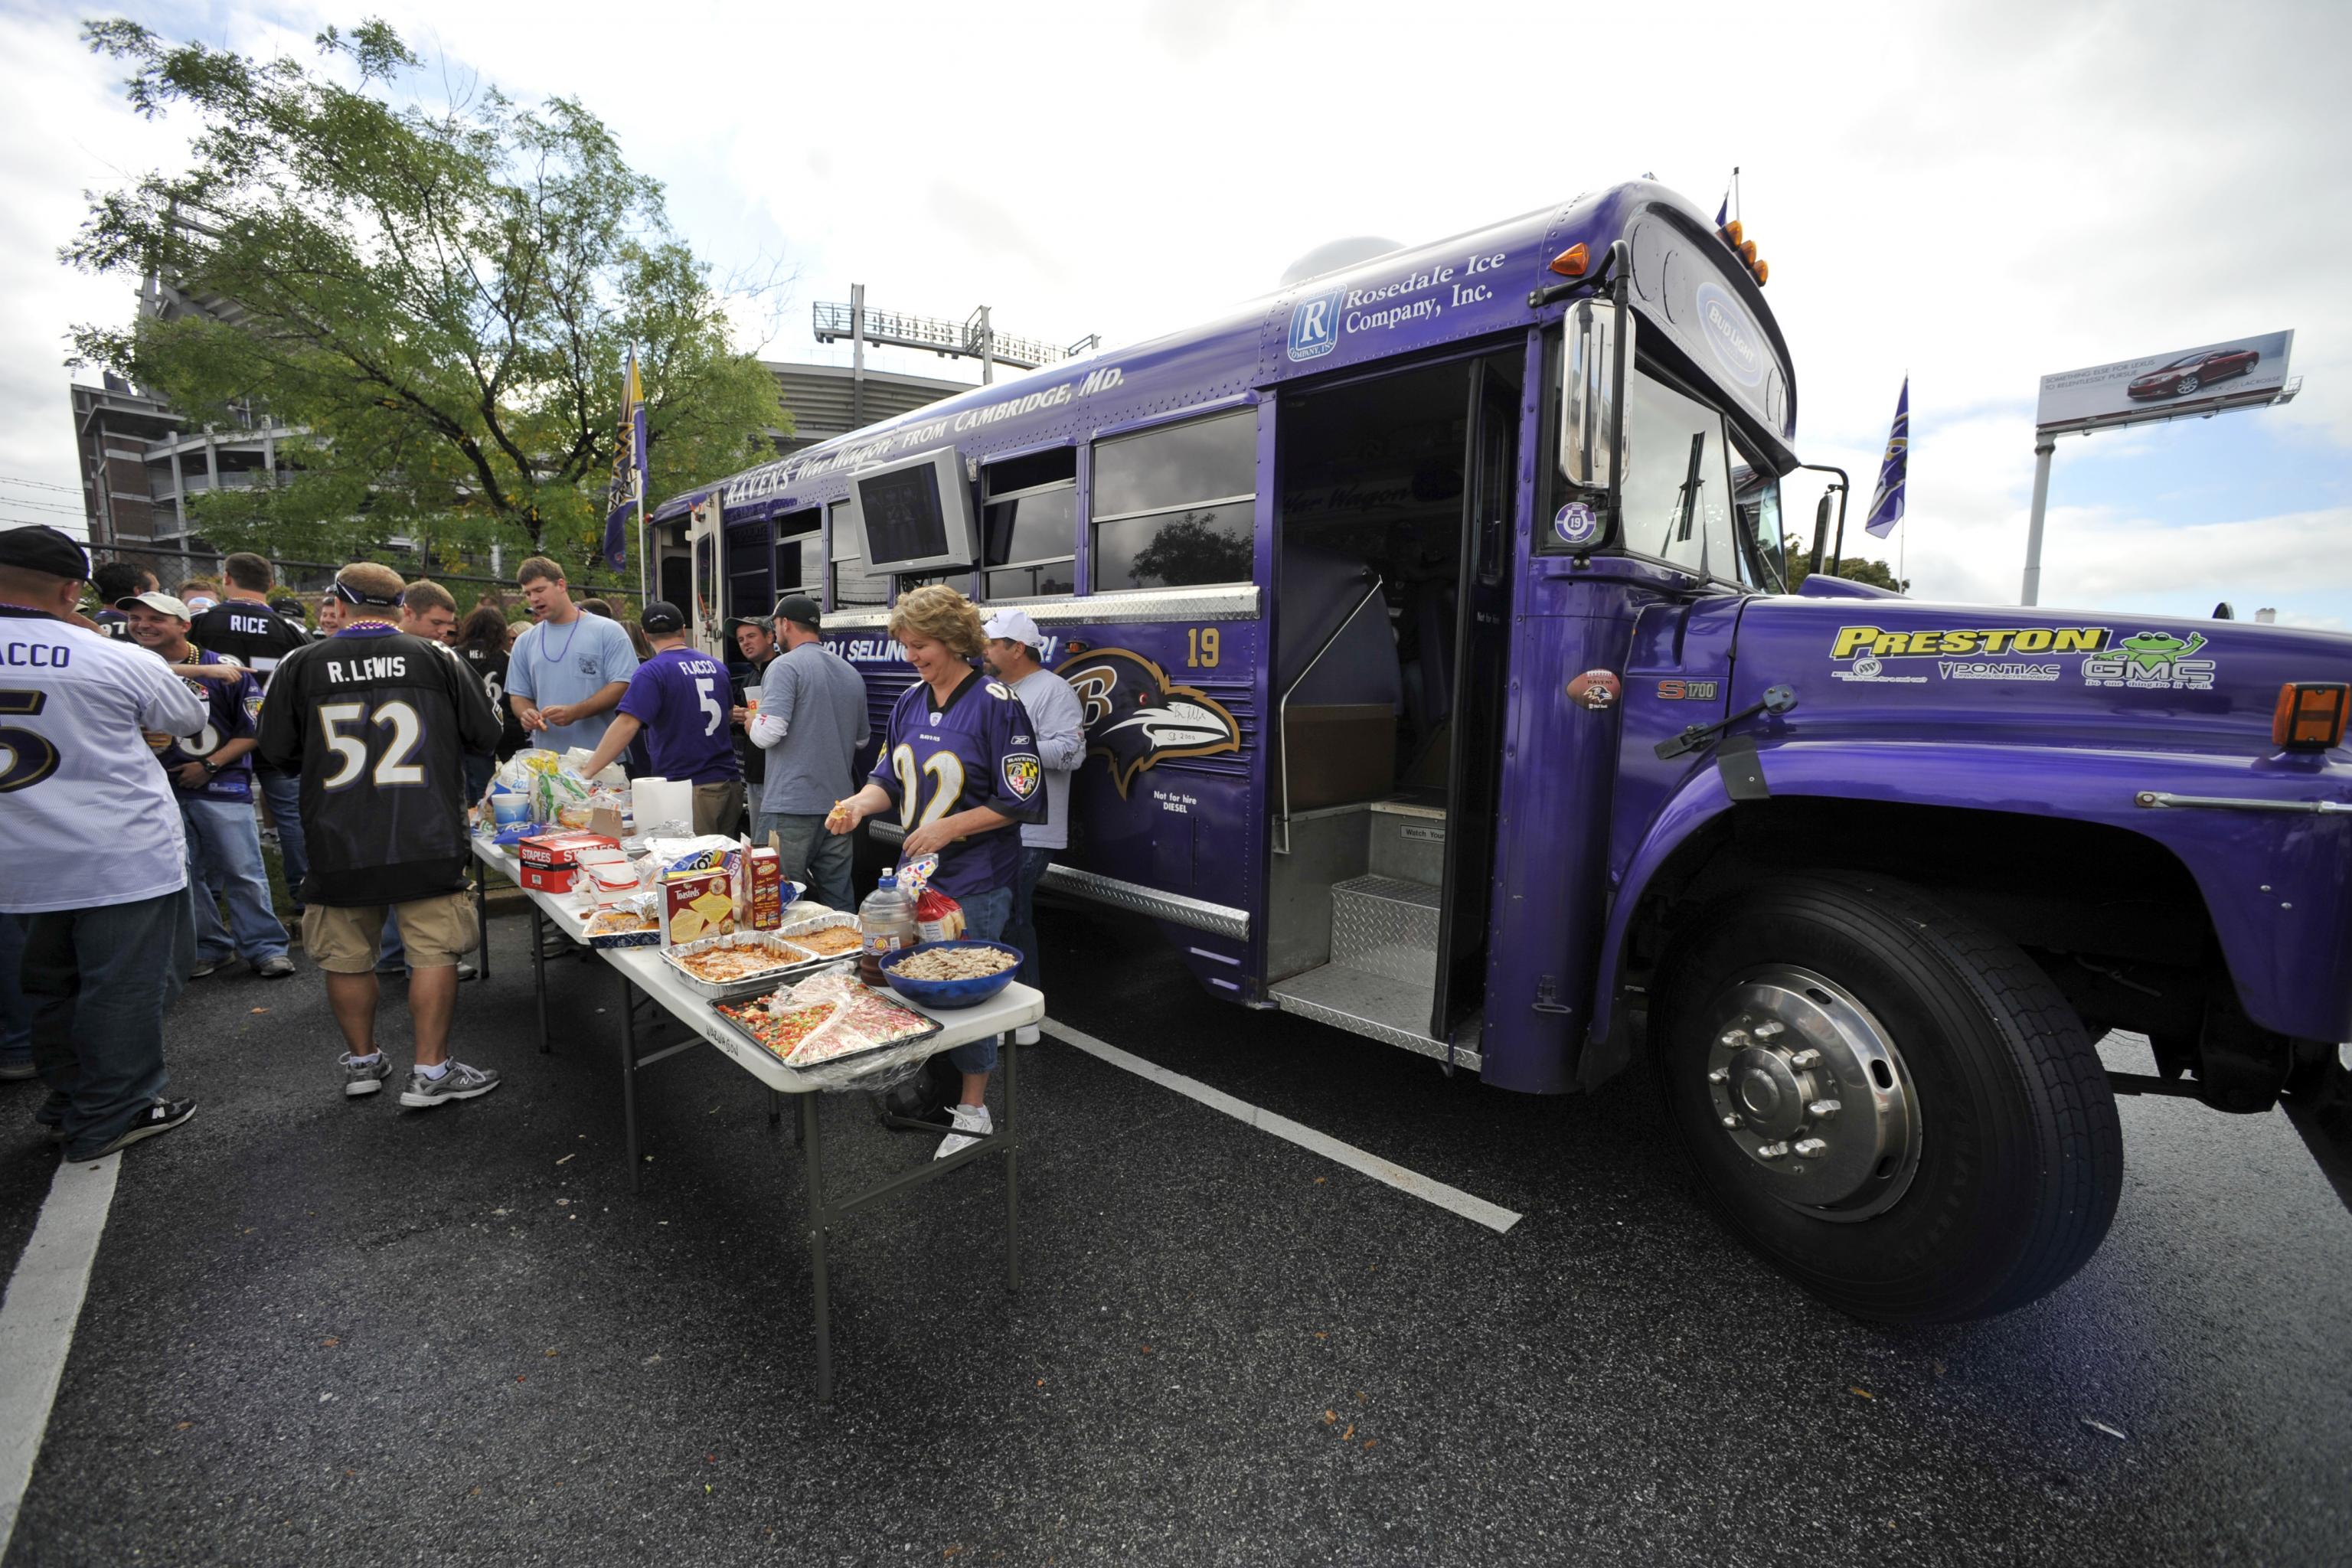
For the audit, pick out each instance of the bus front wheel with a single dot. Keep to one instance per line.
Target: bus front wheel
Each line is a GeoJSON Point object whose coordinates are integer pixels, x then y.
{"type": "Point", "coordinates": [1885, 1099]}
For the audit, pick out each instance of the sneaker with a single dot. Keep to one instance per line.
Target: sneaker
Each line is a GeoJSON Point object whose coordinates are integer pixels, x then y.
{"type": "Point", "coordinates": [1025, 1035]}
{"type": "Point", "coordinates": [460, 1082]}
{"type": "Point", "coordinates": [14, 1068]}
{"type": "Point", "coordinates": [205, 966]}
{"type": "Point", "coordinates": [364, 1078]}
{"type": "Point", "coordinates": [971, 1125]}
{"type": "Point", "coordinates": [278, 968]}
{"type": "Point", "coordinates": [160, 1117]}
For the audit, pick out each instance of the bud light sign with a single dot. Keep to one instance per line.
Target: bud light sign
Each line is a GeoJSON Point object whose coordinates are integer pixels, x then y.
{"type": "Point", "coordinates": [1738, 346]}
{"type": "Point", "coordinates": [1315, 325]}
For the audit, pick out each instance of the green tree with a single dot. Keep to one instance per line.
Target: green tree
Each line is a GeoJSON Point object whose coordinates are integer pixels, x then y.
{"type": "Point", "coordinates": [1874, 573]}
{"type": "Point", "coordinates": [441, 302]}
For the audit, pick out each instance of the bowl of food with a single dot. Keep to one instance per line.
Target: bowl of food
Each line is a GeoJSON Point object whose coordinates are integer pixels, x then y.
{"type": "Point", "coordinates": [961, 974]}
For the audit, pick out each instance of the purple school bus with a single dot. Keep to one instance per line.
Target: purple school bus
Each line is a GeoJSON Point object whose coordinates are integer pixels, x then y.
{"type": "Point", "coordinates": [1442, 687]}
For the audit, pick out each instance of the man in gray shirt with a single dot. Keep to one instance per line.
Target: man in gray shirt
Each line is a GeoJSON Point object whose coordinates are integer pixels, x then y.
{"type": "Point", "coordinates": [568, 672]}
{"type": "Point", "coordinates": [1058, 720]}
{"type": "Point", "coordinates": [811, 723]}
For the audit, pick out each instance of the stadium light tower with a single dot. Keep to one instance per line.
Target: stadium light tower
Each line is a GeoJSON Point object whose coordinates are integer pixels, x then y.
{"type": "Point", "coordinates": [974, 337]}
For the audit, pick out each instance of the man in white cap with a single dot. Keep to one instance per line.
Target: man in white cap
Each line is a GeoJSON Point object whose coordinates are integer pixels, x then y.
{"type": "Point", "coordinates": [1054, 713]}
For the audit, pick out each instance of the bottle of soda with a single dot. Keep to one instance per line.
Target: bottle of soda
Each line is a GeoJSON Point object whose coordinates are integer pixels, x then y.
{"type": "Point", "coordinates": [886, 922]}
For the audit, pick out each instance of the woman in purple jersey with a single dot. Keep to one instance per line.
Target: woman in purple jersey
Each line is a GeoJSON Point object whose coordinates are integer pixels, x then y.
{"type": "Point", "coordinates": [961, 764]}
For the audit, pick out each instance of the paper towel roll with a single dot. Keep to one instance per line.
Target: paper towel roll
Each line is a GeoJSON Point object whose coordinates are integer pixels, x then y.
{"type": "Point", "coordinates": [655, 801]}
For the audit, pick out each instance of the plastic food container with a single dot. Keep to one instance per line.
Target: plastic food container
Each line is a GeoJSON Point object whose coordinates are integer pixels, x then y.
{"type": "Point", "coordinates": [951, 992]}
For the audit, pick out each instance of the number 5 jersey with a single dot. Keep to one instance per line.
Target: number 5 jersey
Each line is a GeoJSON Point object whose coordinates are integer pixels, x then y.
{"type": "Point", "coordinates": [378, 723]}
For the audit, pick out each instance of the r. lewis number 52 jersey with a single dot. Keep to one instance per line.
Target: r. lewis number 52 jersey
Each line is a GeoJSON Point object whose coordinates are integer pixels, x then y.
{"type": "Point", "coordinates": [378, 723]}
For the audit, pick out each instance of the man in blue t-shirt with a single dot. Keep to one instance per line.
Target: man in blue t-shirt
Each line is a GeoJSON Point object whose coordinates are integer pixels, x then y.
{"type": "Point", "coordinates": [679, 698]}
{"type": "Point", "coordinates": [566, 673]}
{"type": "Point", "coordinates": [212, 778]}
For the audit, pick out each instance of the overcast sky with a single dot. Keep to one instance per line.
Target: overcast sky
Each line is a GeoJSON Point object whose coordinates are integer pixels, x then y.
{"type": "Point", "coordinates": [1975, 196]}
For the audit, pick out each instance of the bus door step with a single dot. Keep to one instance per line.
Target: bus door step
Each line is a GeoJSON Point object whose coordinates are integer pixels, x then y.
{"type": "Point", "coordinates": [1378, 1006]}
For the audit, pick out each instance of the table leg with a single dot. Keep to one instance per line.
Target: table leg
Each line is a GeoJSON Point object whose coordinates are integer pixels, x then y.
{"type": "Point", "coordinates": [775, 1108]}
{"type": "Point", "coordinates": [482, 918]}
{"type": "Point", "coordinates": [1012, 1167]}
{"type": "Point", "coordinates": [538, 975]}
{"type": "Point", "coordinates": [629, 1076]}
{"type": "Point", "coordinates": [812, 1173]}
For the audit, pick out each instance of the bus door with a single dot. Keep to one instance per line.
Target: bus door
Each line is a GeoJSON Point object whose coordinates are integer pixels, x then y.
{"type": "Point", "coordinates": [1481, 658]}
{"type": "Point", "coordinates": [703, 540]}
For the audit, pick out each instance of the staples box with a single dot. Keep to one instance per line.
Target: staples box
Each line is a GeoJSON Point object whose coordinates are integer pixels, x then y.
{"type": "Point", "coordinates": [560, 851]}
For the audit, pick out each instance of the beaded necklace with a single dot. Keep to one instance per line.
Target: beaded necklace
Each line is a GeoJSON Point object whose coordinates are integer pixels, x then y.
{"type": "Point", "coordinates": [539, 648]}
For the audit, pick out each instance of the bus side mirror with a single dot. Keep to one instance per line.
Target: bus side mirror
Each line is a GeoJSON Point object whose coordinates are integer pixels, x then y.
{"type": "Point", "coordinates": [1598, 347]}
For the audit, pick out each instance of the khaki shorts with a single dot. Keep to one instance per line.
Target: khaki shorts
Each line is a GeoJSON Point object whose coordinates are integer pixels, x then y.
{"type": "Point", "coordinates": [717, 806]}
{"type": "Point", "coordinates": [437, 932]}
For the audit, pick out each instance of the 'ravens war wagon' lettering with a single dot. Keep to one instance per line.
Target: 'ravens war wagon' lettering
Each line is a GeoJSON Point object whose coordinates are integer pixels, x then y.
{"type": "Point", "coordinates": [1134, 718]}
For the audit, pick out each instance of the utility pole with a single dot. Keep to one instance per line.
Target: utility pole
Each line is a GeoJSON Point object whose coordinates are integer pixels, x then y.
{"type": "Point", "coordinates": [858, 356]}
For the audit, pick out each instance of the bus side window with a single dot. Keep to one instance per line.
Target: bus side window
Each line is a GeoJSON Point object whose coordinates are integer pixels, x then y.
{"type": "Point", "coordinates": [852, 583]}
{"type": "Point", "coordinates": [1030, 524]}
{"type": "Point", "coordinates": [1175, 506]}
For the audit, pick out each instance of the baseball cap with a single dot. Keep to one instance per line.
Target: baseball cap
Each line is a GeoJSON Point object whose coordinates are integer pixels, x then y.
{"type": "Point", "coordinates": [799, 608]}
{"type": "Point", "coordinates": [1014, 626]}
{"type": "Point", "coordinates": [164, 603]}
{"type": "Point", "coordinates": [286, 605]}
{"type": "Point", "coordinates": [39, 548]}
{"type": "Point", "coordinates": [660, 618]}
{"type": "Point", "coordinates": [765, 622]}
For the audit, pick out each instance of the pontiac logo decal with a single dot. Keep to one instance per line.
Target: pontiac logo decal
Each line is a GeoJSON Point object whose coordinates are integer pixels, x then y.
{"type": "Point", "coordinates": [1136, 719]}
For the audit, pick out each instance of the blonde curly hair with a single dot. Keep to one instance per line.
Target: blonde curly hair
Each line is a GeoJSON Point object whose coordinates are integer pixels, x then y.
{"type": "Point", "coordinates": [942, 615]}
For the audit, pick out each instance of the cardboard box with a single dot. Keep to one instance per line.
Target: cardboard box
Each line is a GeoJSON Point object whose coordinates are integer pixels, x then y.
{"type": "Point", "coordinates": [547, 878]}
{"type": "Point", "coordinates": [552, 851]}
{"type": "Point", "coordinates": [696, 904]}
{"type": "Point", "coordinates": [767, 890]}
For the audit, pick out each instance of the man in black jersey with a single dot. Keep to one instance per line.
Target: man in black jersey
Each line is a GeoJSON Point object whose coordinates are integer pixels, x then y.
{"type": "Point", "coordinates": [378, 722]}
{"type": "Point", "coordinates": [244, 628]}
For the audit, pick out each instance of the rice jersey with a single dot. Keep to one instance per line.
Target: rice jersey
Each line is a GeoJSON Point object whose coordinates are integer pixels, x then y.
{"type": "Point", "coordinates": [974, 749]}
{"type": "Point", "coordinates": [378, 723]}
{"type": "Point", "coordinates": [230, 707]}
{"type": "Point", "coordinates": [86, 817]}
{"type": "Point", "coordinates": [253, 635]}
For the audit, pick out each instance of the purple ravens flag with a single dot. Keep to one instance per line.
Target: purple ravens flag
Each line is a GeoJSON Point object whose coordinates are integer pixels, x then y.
{"type": "Point", "coordinates": [1887, 506]}
{"type": "Point", "coordinates": [628, 492]}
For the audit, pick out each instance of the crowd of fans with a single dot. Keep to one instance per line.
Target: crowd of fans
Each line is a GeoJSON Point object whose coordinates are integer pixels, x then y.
{"type": "Point", "coordinates": [151, 746]}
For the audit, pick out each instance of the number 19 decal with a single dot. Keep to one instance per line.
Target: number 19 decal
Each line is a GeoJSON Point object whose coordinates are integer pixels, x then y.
{"type": "Point", "coordinates": [1202, 646]}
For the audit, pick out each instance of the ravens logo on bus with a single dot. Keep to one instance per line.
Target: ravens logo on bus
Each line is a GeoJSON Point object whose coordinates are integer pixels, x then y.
{"type": "Point", "coordinates": [1134, 717]}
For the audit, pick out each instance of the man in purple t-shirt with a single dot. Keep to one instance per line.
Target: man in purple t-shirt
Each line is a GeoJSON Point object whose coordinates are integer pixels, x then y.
{"type": "Point", "coordinates": [680, 698]}
{"type": "Point", "coordinates": [212, 778]}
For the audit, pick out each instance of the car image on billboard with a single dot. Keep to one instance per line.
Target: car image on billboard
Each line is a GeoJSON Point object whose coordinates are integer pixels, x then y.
{"type": "Point", "coordinates": [2163, 386]}
{"type": "Point", "coordinates": [2186, 373]}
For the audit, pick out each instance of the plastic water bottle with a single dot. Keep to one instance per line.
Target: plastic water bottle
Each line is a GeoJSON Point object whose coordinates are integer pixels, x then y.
{"type": "Point", "coordinates": [886, 923]}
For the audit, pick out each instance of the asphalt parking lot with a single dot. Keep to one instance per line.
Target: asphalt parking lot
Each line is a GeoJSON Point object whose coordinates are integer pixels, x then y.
{"type": "Point", "coordinates": [321, 1330]}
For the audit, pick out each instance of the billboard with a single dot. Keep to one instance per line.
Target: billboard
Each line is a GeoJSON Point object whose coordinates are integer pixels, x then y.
{"type": "Point", "coordinates": [2161, 385]}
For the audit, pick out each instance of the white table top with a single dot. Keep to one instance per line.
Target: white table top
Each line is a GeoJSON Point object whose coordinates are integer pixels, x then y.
{"type": "Point", "coordinates": [1015, 1005]}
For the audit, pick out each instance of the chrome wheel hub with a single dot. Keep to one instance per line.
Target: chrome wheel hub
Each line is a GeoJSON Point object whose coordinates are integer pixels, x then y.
{"type": "Point", "coordinates": [1812, 1091]}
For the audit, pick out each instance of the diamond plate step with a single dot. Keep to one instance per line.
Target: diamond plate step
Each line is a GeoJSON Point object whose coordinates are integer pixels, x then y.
{"type": "Point", "coordinates": [1395, 1012]}
{"type": "Point", "coordinates": [1387, 926]}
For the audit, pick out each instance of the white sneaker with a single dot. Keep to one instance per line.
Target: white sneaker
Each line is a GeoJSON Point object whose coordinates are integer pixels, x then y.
{"type": "Point", "coordinates": [971, 1124]}
{"type": "Point", "coordinates": [1025, 1035]}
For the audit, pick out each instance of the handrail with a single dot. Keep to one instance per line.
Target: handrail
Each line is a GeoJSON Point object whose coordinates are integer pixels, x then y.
{"type": "Point", "coordinates": [1282, 709]}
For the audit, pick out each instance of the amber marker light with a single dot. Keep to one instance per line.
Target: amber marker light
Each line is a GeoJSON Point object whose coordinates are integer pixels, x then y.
{"type": "Point", "coordinates": [1570, 263]}
{"type": "Point", "coordinates": [1763, 271]}
{"type": "Point", "coordinates": [2310, 715]}
{"type": "Point", "coordinates": [1732, 233]}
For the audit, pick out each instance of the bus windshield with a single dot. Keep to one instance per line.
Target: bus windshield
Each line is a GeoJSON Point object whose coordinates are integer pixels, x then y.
{"type": "Point", "coordinates": [1677, 500]}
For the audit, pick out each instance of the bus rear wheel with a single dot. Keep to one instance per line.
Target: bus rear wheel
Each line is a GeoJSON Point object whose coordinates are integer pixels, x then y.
{"type": "Point", "coordinates": [1885, 1099]}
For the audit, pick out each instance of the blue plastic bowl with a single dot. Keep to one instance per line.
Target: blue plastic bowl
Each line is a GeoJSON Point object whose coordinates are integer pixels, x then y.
{"type": "Point", "coordinates": [950, 993]}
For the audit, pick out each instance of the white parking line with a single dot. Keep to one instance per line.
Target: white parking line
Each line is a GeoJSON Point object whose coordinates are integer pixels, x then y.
{"type": "Point", "coordinates": [1452, 1199]}
{"type": "Point", "coordinates": [37, 1321]}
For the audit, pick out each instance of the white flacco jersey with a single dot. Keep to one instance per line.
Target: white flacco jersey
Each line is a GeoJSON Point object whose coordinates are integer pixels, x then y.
{"type": "Point", "coordinates": [87, 818]}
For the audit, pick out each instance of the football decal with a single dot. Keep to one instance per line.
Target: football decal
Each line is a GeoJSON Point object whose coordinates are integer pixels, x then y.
{"type": "Point", "coordinates": [1023, 774]}
{"type": "Point", "coordinates": [1134, 717]}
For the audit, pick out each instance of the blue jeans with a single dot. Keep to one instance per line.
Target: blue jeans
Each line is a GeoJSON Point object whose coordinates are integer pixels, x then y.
{"type": "Point", "coordinates": [984, 915]}
{"type": "Point", "coordinates": [1020, 926]}
{"type": "Point", "coordinates": [98, 981]}
{"type": "Point", "coordinates": [224, 846]}
{"type": "Point", "coordinates": [809, 854]}
{"type": "Point", "coordinates": [284, 793]}
{"type": "Point", "coordinates": [16, 1015]}
{"type": "Point", "coordinates": [478, 769]}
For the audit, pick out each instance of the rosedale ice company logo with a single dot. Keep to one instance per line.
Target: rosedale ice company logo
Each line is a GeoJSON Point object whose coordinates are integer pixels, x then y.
{"type": "Point", "coordinates": [1315, 325]}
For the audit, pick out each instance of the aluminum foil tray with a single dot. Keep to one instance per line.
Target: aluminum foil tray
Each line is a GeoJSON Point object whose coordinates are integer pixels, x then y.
{"type": "Point", "coordinates": [790, 962]}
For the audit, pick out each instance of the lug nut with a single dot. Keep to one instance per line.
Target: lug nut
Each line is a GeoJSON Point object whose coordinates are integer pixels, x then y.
{"type": "Point", "coordinates": [1823, 1108]}
{"type": "Point", "coordinates": [1732, 1039]}
{"type": "Point", "coordinates": [1731, 1121]}
{"type": "Point", "coordinates": [1719, 1075]}
{"type": "Point", "coordinates": [1811, 1148]}
{"type": "Point", "coordinates": [1806, 1059]}
{"type": "Point", "coordinates": [1769, 1028]}
{"type": "Point", "coordinates": [1773, 1151]}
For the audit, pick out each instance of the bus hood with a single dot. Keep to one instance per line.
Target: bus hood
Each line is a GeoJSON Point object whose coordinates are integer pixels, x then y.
{"type": "Point", "coordinates": [1900, 669]}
